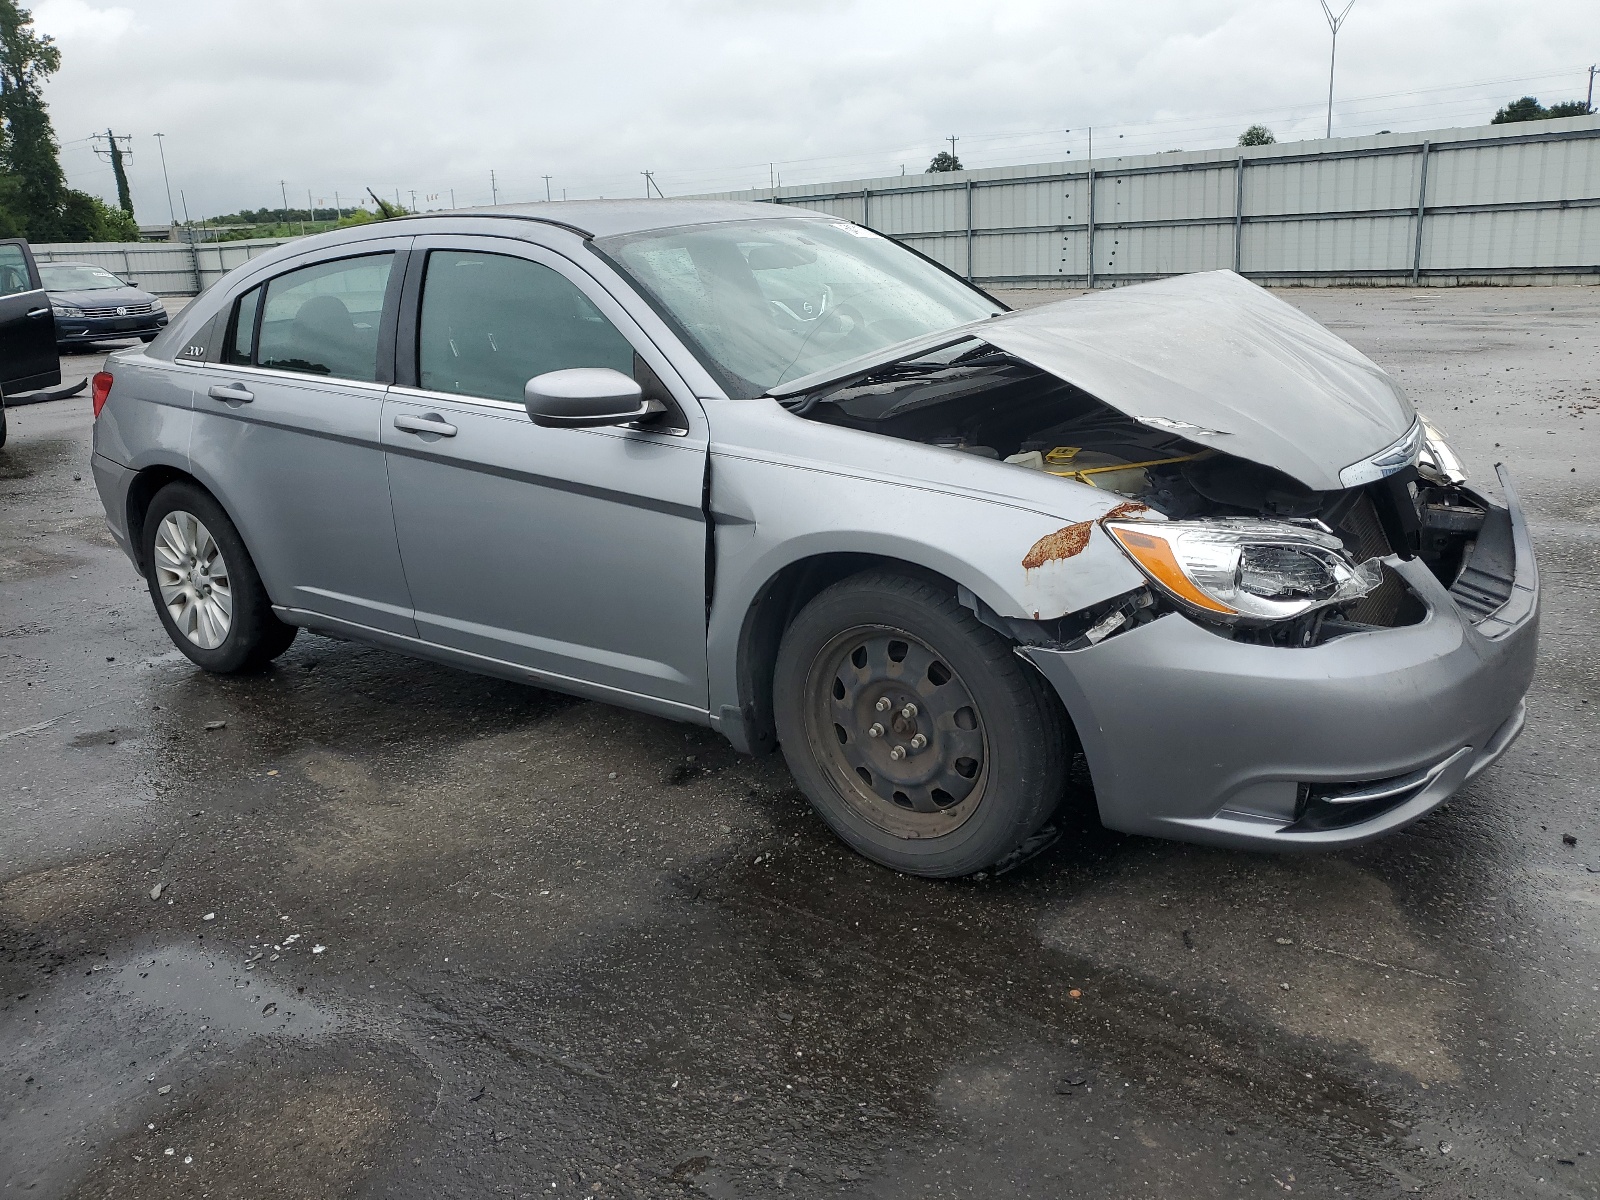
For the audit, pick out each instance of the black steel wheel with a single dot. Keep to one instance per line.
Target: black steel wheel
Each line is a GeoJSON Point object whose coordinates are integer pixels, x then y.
{"type": "Point", "coordinates": [900, 729]}
{"type": "Point", "coordinates": [914, 730]}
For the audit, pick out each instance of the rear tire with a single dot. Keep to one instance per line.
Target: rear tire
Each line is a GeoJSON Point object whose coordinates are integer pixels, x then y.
{"type": "Point", "coordinates": [2, 420]}
{"type": "Point", "coordinates": [205, 587]}
{"type": "Point", "coordinates": [971, 750]}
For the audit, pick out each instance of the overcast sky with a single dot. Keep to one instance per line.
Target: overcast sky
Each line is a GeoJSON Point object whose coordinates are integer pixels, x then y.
{"type": "Point", "coordinates": [419, 95]}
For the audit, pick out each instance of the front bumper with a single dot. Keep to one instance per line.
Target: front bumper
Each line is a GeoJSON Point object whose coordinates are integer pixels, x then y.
{"type": "Point", "coordinates": [1191, 736]}
{"type": "Point", "coordinates": [84, 330]}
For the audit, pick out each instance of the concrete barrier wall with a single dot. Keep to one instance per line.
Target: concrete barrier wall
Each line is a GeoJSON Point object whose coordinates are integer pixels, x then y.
{"type": "Point", "coordinates": [1494, 204]}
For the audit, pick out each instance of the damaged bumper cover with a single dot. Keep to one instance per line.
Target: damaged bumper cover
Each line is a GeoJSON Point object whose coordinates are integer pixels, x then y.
{"type": "Point", "coordinates": [1263, 747]}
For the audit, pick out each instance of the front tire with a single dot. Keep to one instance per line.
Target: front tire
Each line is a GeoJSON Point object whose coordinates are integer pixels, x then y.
{"type": "Point", "coordinates": [205, 587]}
{"type": "Point", "coordinates": [914, 730]}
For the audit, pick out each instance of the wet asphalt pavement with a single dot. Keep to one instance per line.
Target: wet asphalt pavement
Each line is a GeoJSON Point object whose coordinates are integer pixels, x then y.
{"type": "Point", "coordinates": [424, 934]}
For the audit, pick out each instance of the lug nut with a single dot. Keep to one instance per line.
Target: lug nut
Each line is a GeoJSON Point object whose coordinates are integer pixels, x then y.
{"type": "Point", "coordinates": [883, 704]}
{"type": "Point", "coordinates": [918, 742]}
{"type": "Point", "coordinates": [909, 712]}
{"type": "Point", "coordinates": [897, 753]}
{"type": "Point", "coordinates": [875, 732]}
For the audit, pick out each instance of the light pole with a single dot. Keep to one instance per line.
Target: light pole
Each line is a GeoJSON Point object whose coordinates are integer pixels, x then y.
{"type": "Point", "coordinates": [172, 213]}
{"type": "Point", "coordinates": [1334, 25]}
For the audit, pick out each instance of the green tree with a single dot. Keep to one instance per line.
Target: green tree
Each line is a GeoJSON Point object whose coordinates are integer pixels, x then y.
{"type": "Point", "coordinates": [1529, 109]}
{"type": "Point", "coordinates": [35, 201]}
{"type": "Point", "coordinates": [1569, 108]}
{"type": "Point", "coordinates": [27, 144]}
{"type": "Point", "coordinates": [124, 198]}
{"type": "Point", "coordinates": [1526, 109]}
{"type": "Point", "coordinates": [1257, 135]}
{"type": "Point", "coordinates": [945, 161]}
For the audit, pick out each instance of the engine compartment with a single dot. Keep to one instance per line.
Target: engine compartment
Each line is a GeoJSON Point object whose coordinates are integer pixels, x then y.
{"type": "Point", "coordinates": [973, 398]}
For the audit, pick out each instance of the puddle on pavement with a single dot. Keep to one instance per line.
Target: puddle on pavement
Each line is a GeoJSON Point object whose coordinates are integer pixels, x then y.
{"type": "Point", "coordinates": [105, 1050]}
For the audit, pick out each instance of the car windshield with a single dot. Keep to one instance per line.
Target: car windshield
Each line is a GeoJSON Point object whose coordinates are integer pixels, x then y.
{"type": "Point", "coordinates": [772, 300]}
{"type": "Point", "coordinates": [76, 277]}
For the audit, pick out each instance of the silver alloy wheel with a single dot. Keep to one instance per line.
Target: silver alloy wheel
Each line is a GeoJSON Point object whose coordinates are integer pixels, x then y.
{"type": "Point", "coordinates": [193, 578]}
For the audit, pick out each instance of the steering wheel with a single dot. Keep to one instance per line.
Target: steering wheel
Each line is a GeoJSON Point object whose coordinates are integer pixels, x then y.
{"type": "Point", "coordinates": [807, 311]}
{"type": "Point", "coordinates": [838, 324]}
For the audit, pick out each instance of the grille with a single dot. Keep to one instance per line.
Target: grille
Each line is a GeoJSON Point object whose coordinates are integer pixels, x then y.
{"type": "Point", "coordinates": [133, 310]}
{"type": "Point", "coordinates": [1362, 532]}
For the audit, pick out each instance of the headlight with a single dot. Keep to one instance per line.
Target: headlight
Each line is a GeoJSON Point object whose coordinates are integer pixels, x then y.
{"type": "Point", "coordinates": [1438, 463]}
{"type": "Point", "coordinates": [67, 310]}
{"type": "Point", "coordinates": [1240, 569]}
{"type": "Point", "coordinates": [157, 307]}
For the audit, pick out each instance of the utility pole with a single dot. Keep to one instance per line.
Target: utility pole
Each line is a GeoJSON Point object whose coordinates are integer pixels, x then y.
{"type": "Point", "coordinates": [494, 188]}
{"type": "Point", "coordinates": [1334, 25]}
{"type": "Point", "coordinates": [952, 142]}
{"type": "Point", "coordinates": [172, 213]}
{"type": "Point", "coordinates": [1590, 103]}
{"type": "Point", "coordinates": [113, 154]}
{"type": "Point", "coordinates": [312, 207]}
{"type": "Point", "coordinates": [338, 209]}
{"type": "Point", "coordinates": [546, 179]}
{"type": "Point", "coordinates": [452, 197]}
{"type": "Point", "coordinates": [413, 199]}
{"type": "Point", "coordinates": [650, 182]}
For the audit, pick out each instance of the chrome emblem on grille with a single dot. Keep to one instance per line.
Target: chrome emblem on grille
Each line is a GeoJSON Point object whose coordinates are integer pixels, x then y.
{"type": "Point", "coordinates": [123, 311]}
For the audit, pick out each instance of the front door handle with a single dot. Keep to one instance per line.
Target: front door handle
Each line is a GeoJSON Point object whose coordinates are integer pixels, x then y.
{"type": "Point", "coordinates": [436, 425]}
{"type": "Point", "coordinates": [236, 392]}
{"type": "Point", "coordinates": [39, 312]}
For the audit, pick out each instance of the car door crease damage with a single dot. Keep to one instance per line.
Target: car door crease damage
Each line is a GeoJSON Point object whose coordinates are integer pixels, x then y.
{"type": "Point", "coordinates": [931, 548]}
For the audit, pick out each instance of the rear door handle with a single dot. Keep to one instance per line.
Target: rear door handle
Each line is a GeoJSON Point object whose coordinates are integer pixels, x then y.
{"type": "Point", "coordinates": [436, 425]}
{"type": "Point", "coordinates": [236, 392]}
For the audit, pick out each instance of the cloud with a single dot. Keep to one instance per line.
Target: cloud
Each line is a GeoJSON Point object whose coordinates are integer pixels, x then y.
{"type": "Point", "coordinates": [411, 95]}
{"type": "Point", "coordinates": [72, 21]}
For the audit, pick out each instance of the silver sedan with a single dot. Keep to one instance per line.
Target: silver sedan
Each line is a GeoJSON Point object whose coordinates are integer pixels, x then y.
{"type": "Point", "coordinates": [768, 471]}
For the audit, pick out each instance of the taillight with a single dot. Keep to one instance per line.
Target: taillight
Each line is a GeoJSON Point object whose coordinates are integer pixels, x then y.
{"type": "Point", "coordinates": [100, 389]}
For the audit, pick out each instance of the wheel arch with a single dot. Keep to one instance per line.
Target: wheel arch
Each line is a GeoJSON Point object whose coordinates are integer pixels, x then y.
{"type": "Point", "coordinates": [141, 491]}
{"type": "Point", "coordinates": [773, 609]}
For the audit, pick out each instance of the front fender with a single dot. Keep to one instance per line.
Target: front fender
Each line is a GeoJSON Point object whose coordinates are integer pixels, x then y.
{"type": "Point", "coordinates": [1037, 555]}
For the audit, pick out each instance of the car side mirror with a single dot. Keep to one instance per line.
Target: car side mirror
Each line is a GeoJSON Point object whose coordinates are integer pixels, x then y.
{"type": "Point", "coordinates": [584, 396]}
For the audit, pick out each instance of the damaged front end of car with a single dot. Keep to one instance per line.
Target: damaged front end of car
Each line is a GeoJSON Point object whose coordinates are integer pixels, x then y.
{"type": "Point", "coordinates": [1244, 515]}
{"type": "Point", "coordinates": [1335, 631]}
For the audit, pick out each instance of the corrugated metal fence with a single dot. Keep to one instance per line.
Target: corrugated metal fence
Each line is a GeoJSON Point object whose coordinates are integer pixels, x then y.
{"type": "Point", "coordinates": [1496, 204]}
{"type": "Point", "coordinates": [165, 268]}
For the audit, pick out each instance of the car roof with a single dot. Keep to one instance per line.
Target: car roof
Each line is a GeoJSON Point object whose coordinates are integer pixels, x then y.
{"type": "Point", "coordinates": [606, 218]}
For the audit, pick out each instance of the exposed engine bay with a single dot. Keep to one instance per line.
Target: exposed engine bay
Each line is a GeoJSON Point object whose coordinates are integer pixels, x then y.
{"type": "Point", "coordinates": [976, 399]}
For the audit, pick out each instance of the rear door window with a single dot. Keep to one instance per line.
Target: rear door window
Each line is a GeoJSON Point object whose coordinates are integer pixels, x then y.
{"type": "Point", "coordinates": [324, 319]}
{"type": "Point", "coordinates": [491, 322]}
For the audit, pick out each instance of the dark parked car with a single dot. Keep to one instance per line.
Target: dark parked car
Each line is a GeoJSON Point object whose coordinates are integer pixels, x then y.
{"type": "Point", "coordinates": [27, 346]}
{"type": "Point", "coordinates": [93, 305]}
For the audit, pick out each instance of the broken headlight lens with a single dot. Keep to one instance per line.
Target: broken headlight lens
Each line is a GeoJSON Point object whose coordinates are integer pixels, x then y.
{"type": "Point", "coordinates": [1437, 463]}
{"type": "Point", "coordinates": [1240, 569]}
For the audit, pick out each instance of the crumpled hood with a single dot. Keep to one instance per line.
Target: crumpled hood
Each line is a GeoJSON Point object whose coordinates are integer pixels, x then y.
{"type": "Point", "coordinates": [1214, 351]}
